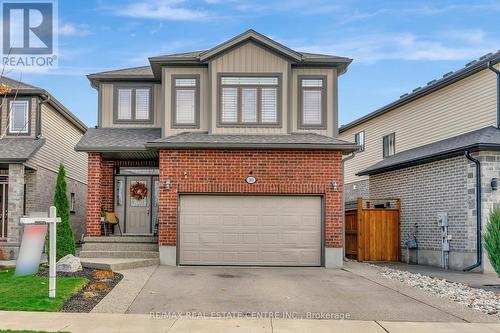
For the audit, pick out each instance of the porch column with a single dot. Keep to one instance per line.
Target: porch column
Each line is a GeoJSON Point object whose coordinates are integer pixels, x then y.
{"type": "Point", "coordinates": [94, 194]}
{"type": "Point", "coordinates": [15, 208]}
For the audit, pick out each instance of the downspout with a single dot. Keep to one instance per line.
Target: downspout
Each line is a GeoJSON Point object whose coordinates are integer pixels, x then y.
{"type": "Point", "coordinates": [497, 72]}
{"type": "Point", "coordinates": [44, 99]}
{"type": "Point", "coordinates": [478, 213]}
{"type": "Point", "coordinates": [350, 157]}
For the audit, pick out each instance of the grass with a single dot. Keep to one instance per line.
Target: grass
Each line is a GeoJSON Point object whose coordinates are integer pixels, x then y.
{"type": "Point", "coordinates": [31, 293]}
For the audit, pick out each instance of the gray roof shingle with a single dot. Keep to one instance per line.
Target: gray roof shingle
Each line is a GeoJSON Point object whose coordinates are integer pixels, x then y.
{"type": "Point", "coordinates": [289, 141]}
{"type": "Point", "coordinates": [19, 149]}
{"type": "Point", "coordinates": [117, 139]}
{"type": "Point", "coordinates": [485, 138]}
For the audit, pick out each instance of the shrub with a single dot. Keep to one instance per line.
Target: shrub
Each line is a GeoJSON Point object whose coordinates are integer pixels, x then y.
{"type": "Point", "coordinates": [492, 239]}
{"type": "Point", "coordinates": [65, 241]}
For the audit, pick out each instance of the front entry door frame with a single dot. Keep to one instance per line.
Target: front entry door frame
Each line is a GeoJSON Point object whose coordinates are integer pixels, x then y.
{"type": "Point", "coordinates": [152, 179]}
{"type": "Point", "coordinates": [4, 204]}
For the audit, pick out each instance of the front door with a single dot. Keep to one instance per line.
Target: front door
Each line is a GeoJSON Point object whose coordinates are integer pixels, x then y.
{"type": "Point", "coordinates": [139, 192]}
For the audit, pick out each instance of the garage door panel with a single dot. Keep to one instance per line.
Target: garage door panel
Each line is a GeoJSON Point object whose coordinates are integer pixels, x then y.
{"type": "Point", "coordinates": [250, 230]}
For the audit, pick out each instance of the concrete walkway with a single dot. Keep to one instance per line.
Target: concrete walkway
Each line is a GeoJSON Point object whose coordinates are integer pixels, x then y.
{"type": "Point", "coordinates": [124, 294]}
{"type": "Point", "coordinates": [109, 323]}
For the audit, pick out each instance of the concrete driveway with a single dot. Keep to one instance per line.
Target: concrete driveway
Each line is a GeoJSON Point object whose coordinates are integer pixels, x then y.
{"type": "Point", "coordinates": [299, 292]}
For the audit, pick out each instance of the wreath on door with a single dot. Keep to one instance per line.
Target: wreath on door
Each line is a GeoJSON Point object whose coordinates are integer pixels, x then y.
{"type": "Point", "coordinates": [138, 191]}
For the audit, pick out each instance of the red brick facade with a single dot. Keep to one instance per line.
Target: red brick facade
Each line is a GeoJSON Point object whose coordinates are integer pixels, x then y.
{"type": "Point", "coordinates": [277, 172]}
{"type": "Point", "coordinates": [224, 171]}
{"type": "Point", "coordinates": [100, 191]}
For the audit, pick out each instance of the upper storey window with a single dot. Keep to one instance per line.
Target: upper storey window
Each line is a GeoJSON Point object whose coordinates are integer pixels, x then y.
{"type": "Point", "coordinates": [249, 100]}
{"type": "Point", "coordinates": [19, 116]}
{"type": "Point", "coordinates": [133, 104]}
{"type": "Point", "coordinates": [185, 101]}
{"type": "Point", "coordinates": [312, 102]}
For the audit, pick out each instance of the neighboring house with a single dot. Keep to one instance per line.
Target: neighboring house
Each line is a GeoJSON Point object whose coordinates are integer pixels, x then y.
{"type": "Point", "coordinates": [414, 149]}
{"type": "Point", "coordinates": [237, 149]}
{"type": "Point", "coordinates": [37, 134]}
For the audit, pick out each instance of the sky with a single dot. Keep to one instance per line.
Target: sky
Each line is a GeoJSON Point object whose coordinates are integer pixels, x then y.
{"type": "Point", "coordinates": [396, 45]}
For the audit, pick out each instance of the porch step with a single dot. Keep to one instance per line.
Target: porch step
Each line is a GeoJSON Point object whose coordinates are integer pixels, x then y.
{"type": "Point", "coordinates": [120, 254]}
{"type": "Point", "coordinates": [121, 239]}
{"type": "Point", "coordinates": [117, 264]}
{"type": "Point", "coordinates": [119, 246]}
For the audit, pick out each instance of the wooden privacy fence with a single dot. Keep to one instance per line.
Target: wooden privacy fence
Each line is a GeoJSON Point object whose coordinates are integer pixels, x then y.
{"type": "Point", "coordinates": [372, 230]}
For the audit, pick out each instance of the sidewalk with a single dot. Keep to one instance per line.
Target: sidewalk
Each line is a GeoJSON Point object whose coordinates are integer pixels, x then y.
{"type": "Point", "coordinates": [99, 322]}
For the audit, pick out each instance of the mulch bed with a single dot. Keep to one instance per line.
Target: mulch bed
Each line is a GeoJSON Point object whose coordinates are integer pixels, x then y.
{"type": "Point", "coordinates": [101, 282]}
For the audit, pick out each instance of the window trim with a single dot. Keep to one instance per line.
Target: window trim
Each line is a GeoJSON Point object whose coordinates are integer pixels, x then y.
{"type": "Point", "coordinates": [9, 132]}
{"type": "Point", "coordinates": [383, 146]}
{"type": "Point", "coordinates": [362, 149]}
{"type": "Point", "coordinates": [173, 98]}
{"type": "Point", "coordinates": [133, 86]}
{"type": "Point", "coordinates": [239, 123]}
{"type": "Point", "coordinates": [324, 101]}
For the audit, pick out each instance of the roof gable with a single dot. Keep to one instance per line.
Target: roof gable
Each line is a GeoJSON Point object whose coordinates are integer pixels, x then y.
{"type": "Point", "coordinates": [250, 35]}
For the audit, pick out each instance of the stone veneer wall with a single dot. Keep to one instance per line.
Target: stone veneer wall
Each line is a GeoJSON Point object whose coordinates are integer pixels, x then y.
{"type": "Point", "coordinates": [490, 168]}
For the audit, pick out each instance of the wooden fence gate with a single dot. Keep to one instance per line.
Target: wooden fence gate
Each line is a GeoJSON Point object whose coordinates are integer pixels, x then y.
{"type": "Point", "coordinates": [372, 230]}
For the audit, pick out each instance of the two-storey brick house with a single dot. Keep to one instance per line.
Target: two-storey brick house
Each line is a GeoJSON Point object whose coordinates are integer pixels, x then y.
{"type": "Point", "coordinates": [230, 154]}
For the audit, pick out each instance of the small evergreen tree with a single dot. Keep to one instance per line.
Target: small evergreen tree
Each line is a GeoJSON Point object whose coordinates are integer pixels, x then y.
{"type": "Point", "coordinates": [492, 239]}
{"type": "Point", "coordinates": [65, 241]}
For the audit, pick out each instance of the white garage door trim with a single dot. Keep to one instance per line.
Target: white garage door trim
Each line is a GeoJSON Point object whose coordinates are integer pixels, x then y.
{"type": "Point", "coordinates": [257, 232]}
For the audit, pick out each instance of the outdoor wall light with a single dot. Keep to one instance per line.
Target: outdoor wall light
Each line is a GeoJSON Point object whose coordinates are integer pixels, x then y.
{"type": "Point", "coordinates": [494, 184]}
{"type": "Point", "coordinates": [168, 184]}
{"type": "Point", "coordinates": [335, 186]}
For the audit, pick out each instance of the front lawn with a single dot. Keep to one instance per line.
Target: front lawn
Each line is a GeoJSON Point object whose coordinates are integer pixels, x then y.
{"type": "Point", "coordinates": [31, 293]}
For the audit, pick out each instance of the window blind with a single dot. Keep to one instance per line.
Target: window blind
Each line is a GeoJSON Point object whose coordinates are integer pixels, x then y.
{"type": "Point", "coordinates": [229, 105]}
{"type": "Point", "coordinates": [269, 105]}
{"type": "Point", "coordinates": [249, 105]}
{"type": "Point", "coordinates": [185, 106]}
{"type": "Point", "coordinates": [125, 104]}
{"type": "Point", "coordinates": [311, 106]}
{"type": "Point", "coordinates": [142, 104]}
{"type": "Point", "coordinates": [19, 117]}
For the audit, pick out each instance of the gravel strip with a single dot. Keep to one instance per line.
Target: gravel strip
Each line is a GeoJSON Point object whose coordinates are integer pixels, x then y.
{"type": "Point", "coordinates": [99, 285]}
{"type": "Point", "coordinates": [478, 299]}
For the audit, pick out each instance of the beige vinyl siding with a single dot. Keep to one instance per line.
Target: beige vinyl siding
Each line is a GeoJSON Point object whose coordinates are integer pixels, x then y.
{"type": "Point", "coordinates": [106, 90]}
{"type": "Point", "coordinates": [167, 73]}
{"type": "Point", "coordinates": [331, 105]}
{"type": "Point", "coordinates": [249, 58]}
{"type": "Point", "coordinates": [5, 116]}
{"type": "Point", "coordinates": [459, 108]}
{"type": "Point", "coordinates": [60, 139]}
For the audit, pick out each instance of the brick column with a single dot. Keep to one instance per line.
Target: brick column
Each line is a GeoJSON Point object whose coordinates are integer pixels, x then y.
{"type": "Point", "coordinates": [167, 229]}
{"type": "Point", "coordinates": [94, 194]}
{"type": "Point", "coordinates": [15, 208]}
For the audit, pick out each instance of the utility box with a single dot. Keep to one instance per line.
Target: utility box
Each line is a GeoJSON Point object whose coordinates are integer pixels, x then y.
{"type": "Point", "coordinates": [442, 219]}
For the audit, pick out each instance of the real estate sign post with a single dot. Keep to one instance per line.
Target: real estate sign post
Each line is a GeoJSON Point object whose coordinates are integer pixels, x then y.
{"type": "Point", "coordinates": [32, 246]}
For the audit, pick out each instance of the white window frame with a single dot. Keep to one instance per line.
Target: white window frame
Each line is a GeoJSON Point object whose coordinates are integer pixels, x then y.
{"type": "Point", "coordinates": [26, 129]}
{"type": "Point", "coordinates": [258, 81]}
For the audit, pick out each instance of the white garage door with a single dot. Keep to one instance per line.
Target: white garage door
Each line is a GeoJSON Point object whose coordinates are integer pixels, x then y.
{"type": "Point", "coordinates": [250, 230]}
